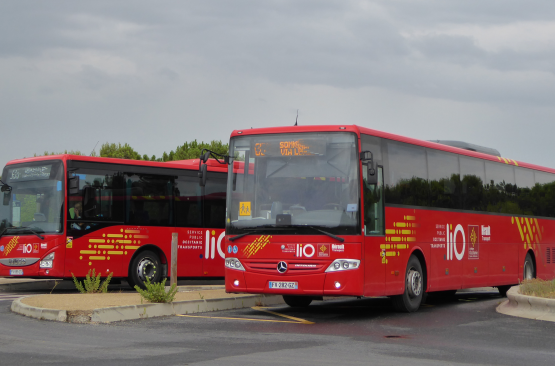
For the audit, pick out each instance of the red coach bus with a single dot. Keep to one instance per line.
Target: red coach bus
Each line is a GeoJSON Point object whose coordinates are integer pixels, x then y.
{"type": "Point", "coordinates": [346, 210]}
{"type": "Point", "coordinates": [68, 214]}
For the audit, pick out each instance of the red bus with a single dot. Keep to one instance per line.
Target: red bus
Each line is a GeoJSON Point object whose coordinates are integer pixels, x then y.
{"type": "Point", "coordinates": [347, 210]}
{"type": "Point", "coordinates": [68, 214]}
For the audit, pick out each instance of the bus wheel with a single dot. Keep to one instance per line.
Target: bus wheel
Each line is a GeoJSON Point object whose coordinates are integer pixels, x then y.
{"type": "Point", "coordinates": [145, 265]}
{"type": "Point", "coordinates": [529, 272]}
{"type": "Point", "coordinates": [297, 301]}
{"type": "Point", "coordinates": [411, 299]}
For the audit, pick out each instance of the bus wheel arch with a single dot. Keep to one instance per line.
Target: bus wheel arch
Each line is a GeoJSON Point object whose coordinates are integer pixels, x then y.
{"type": "Point", "coordinates": [529, 266]}
{"type": "Point", "coordinates": [148, 262]}
{"type": "Point", "coordinates": [415, 285]}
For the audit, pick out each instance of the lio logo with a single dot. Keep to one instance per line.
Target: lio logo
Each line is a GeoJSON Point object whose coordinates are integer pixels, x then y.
{"type": "Point", "coordinates": [210, 244]}
{"type": "Point", "coordinates": [452, 245]}
{"type": "Point", "coordinates": [306, 250]}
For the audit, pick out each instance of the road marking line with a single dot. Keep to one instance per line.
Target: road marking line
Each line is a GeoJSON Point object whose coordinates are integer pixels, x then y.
{"type": "Point", "coordinates": [249, 319]}
{"type": "Point", "coordinates": [299, 320]}
{"type": "Point", "coordinates": [293, 319]}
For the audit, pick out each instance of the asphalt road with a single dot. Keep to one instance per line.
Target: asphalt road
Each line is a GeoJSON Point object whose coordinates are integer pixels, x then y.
{"type": "Point", "coordinates": [466, 330]}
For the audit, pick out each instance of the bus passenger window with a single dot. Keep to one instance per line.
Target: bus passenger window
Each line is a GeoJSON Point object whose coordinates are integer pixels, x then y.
{"type": "Point", "coordinates": [373, 204]}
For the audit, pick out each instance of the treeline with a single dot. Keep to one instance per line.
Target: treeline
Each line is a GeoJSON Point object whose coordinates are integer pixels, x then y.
{"type": "Point", "coordinates": [189, 150]}
{"type": "Point", "coordinates": [470, 193]}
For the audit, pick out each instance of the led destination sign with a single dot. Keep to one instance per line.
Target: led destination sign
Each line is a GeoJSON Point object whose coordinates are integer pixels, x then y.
{"type": "Point", "coordinates": [30, 173]}
{"type": "Point", "coordinates": [303, 147]}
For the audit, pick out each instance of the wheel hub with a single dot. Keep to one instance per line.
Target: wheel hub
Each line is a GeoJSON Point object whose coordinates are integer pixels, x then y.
{"type": "Point", "coordinates": [414, 283]}
{"type": "Point", "coordinates": [146, 269]}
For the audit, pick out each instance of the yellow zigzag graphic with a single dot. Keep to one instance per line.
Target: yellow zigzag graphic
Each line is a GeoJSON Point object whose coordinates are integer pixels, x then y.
{"type": "Point", "coordinates": [256, 245]}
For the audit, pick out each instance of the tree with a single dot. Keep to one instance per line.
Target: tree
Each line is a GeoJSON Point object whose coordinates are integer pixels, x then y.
{"type": "Point", "coordinates": [71, 152]}
{"type": "Point", "coordinates": [191, 150]}
{"type": "Point", "coordinates": [119, 151]}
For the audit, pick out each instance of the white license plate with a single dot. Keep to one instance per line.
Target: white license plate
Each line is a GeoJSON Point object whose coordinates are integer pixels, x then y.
{"type": "Point", "coordinates": [284, 285]}
{"type": "Point", "coordinates": [16, 272]}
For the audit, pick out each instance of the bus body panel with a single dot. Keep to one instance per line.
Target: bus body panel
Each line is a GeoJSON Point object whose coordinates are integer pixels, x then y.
{"type": "Point", "coordinates": [31, 249]}
{"type": "Point", "coordinates": [307, 258]}
{"type": "Point", "coordinates": [465, 249]}
{"type": "Point", "coordinates": [111, 250]}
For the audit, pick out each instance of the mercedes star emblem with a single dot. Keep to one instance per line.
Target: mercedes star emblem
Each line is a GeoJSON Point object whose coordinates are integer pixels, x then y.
{"type": "Point", "coordinates": [282, 267]}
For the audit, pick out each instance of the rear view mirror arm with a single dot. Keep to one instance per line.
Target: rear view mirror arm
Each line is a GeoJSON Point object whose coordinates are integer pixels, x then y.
{"type": "Point", "coordinates": [205, 154]}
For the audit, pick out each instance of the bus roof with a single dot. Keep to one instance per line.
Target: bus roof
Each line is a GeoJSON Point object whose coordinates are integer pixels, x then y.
{"type": "Point", "coordinates": [190, 164]}
{"type": "Point", "coordinates": [363, 130]}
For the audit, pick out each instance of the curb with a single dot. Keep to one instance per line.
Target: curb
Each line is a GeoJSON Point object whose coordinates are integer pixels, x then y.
{"type": "Point", "coordinates": [529, 307]}
{"type": "Point", "coordinates": [144, 311]}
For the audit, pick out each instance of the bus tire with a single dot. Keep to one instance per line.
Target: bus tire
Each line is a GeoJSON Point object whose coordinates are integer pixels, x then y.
{"type": "Point", "coordinates": [411, 299]}
{"type": "Point", "coordinates": [145, 265]}
{"type": "Point", "coordinates": [529, 272]}
{"type": "Point", "coordinates": [297, 301]}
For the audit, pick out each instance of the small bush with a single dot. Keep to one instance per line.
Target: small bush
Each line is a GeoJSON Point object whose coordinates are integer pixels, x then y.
{"type": "Point", "coordinates": [91, 283]}
{"type": "Point", "coordinates": [539, 288]}
{"type": "Point", "coordinates": [156, 292]}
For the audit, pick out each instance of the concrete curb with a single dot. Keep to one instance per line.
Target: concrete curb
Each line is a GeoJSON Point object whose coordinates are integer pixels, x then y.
{"type": "Point", "coordinates": [529, 307]}
{"type": "Point", "coordinates": [39, 313]}
{"type": "Point", "coordinates": [143, 311]}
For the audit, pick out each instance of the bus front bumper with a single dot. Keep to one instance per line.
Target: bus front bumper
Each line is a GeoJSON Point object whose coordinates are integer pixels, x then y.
{"type": "Point", "coordinates": [344, 283]}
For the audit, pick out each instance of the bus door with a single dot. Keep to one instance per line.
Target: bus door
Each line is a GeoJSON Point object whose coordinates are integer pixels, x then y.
{"type": "Point", "coordinates": [213, 207]}
{"type": "Point", "coordinates": [374, 234]}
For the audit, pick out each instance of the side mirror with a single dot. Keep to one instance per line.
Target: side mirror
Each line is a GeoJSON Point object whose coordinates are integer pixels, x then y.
{"type": "Point", "coordinates": [7, 196]}
{"type": "Point", "coordinates": [205, 157]}
{"type": "Point", "coordinates": [202, 174]}
{"type": "Point", "coordinates": [371, 176]}
{"type": "Point", "coordinates": [74, 185]}
{"type": "Point", "coordinates": [365, 155]}
{"type": "Point", "coordinates": [368, 160]}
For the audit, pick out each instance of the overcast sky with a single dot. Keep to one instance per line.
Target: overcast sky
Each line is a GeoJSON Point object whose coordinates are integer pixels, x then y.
{"type": "Point", "coordinates": [155, 74]}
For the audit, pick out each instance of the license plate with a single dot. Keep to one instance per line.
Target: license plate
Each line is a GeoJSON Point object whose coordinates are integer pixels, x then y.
{"type": "Point", "coordinates": [284, 285]}
{"type": "Point", "coordinates": [16, 272]}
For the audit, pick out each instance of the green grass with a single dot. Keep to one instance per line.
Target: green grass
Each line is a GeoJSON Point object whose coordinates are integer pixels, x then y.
{"type": "Point", "coordinates": [538, 288]}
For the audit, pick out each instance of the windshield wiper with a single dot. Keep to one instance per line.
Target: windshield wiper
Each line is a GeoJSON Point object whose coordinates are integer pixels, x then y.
{"type": "Point", "coordinates": [26, 228]}
{"type": "Point", "coordinates": [328, 234]}
{"type": "Point", "coordinates": [2, 231]}
{"type": "Point", "coordinates": [240, 236]}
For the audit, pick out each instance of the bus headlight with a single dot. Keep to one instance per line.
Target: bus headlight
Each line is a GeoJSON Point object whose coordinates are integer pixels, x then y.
{"type": "Point", "coordinates": [234, 263]}
{"type": "Point", "coordinates": [47, 261]}
{"type": "Point", "coordinates": [343, 265]}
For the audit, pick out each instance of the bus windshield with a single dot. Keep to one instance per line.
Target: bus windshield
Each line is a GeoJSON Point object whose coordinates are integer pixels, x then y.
{"type": "Point", "coordinates": [32, 198]}
{"type": "Point", "coordinates": [294, 182]}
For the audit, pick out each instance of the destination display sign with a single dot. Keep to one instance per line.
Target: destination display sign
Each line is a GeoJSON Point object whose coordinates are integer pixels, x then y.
{"type": "Point", "coordinates": [29, 173]}
{"type": "Point", "coordinates": [301, 147]}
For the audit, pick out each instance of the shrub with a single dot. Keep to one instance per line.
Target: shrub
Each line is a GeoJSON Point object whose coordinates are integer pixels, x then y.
{"type": "Point", "coordinates": [156, 292]}
{"type": "Point", "coordinates": [538, 287]}
{"type": "Point", "coordinates": [91, 283]}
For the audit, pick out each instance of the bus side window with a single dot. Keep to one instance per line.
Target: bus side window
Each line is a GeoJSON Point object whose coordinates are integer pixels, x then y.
{"type": "Point", "coordinates": [373, 204]}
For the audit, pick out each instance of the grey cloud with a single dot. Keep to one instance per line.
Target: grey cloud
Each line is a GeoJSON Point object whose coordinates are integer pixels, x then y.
{"type": "Point", "coordinates": [169, 74]}
{"type": "Point", "coordinates": [429, 12]}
